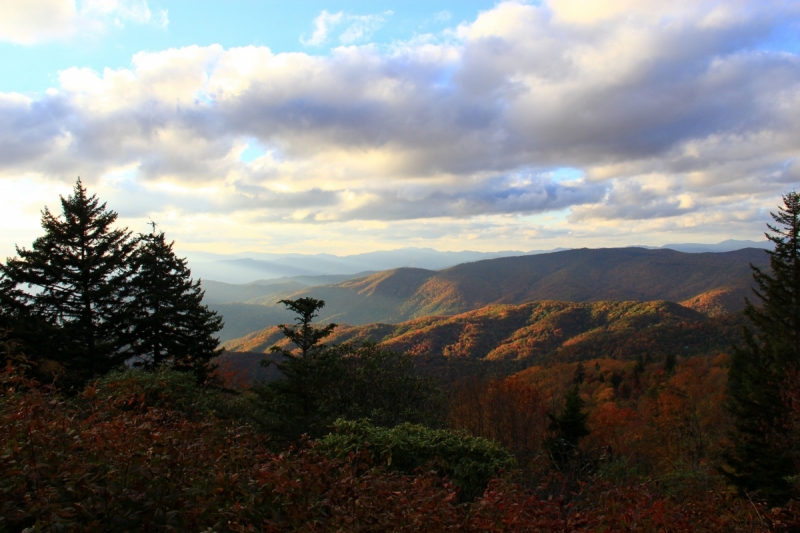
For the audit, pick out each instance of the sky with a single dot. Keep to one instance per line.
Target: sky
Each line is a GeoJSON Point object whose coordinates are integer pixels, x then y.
{"type": "Point", "coordinates": [352, 126]}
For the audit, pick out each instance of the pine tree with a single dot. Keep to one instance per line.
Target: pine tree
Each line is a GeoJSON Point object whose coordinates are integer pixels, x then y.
{"type": "Point", "coordinates": [579, 375]}
{"type": "Point", "coordinates": [168, 323]}
{"type": "Point", "coordinates": [33, 338]}
{"type": "Point", "coordinates": [79, 275]}
{"type": "Point", "coordinates": [670, 362]}
{"type": "Point", "coordinates": [759, 459]}
{"type": "Point", "coordinates": [323, 383]}
{"type": "Point", "coordinates": [569, 427]}
{"type": "Point", "coordinates": [304, 335]}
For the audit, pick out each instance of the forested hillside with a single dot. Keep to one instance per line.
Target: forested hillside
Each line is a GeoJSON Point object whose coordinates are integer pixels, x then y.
{"type": "Point", "coordinates": [712, 283]}
{"type": "Point", "coordinates": [534, 333]}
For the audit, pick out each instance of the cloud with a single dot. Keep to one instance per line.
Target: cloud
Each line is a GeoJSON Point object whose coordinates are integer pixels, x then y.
{"type": "Point", "coordinates": [354, 28]}
{"type": "Point", "coordinates": [29, 22]}
{"type": "Point", "coordinates": [442, 16]}
{"type": "Point", "coordinates": [322, 26]}
{"type": "Point", "coordinates": [675, 113]}
{"type": "Point", "coordinates": [517, 194]}
{"type": "Point", "coordinates": [120, 11]}
{"type": "Point", "coordinates": [35, 21]}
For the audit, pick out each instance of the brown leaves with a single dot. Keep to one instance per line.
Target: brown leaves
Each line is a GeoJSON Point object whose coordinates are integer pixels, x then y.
{"type": "Point", "coordinates": [91, 466]}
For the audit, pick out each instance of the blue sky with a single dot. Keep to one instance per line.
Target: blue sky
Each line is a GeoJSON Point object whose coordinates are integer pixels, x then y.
{"type": "Point", "coordinates": [233, 23]}
{"type": "Point", "coordinates": [345, 127]}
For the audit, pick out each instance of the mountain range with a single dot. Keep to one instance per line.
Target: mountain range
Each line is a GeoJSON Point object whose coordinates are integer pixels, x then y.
{"type": "Point", "coordinates": [249, 266]}
{"type": "Point", "coordinates": [711, 283]}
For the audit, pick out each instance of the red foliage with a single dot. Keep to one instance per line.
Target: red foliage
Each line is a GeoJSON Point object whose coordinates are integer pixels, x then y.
{"type": "Point", "coordinates": [88, 465]}
{"type": "Point", "coordinates": [508, 411]}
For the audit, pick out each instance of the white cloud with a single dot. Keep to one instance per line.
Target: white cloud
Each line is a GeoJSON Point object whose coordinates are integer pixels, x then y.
{"type": "Point", "coordinates": [35, 21]}
{"type": "Point", "coordinates": [121, 11]}
{"type": "Point", "coordinates": [322, 26]}
{"type": "Point", "coordinates": [675, 117]}
{"type": "Point", "coordinates": [442, 16]}
{"type": "Point", "coordinates": [352, 28]}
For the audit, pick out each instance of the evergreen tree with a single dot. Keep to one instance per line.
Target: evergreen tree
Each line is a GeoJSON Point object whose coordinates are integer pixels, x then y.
{"type": "Point", "coordinates": [293, 405]}
{"type": "Point", "coordinates": [321, 384]}
{"type": "Point", "coordinates": [759, 458]}
{"type": "Point", "coordinates": [79, 274]}
{"type": "Point", "coordinates": [616, 380]}
{"type": "Point", "coordinates": [569, 427]}
{"type": "Point", "coordinates": [670, 361]}
{"type": "Point", "coordinates": [580, 374]}
{"type": "Point", "coordinates": [39, 342]}
{"type": "Point", "coordinates": [168, 323]}
{"type": "Point", "coordinates": [304, 335]}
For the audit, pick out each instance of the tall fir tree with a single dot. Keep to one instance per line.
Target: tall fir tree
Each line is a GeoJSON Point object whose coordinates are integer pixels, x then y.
{"type": "Point", "coordinates": [78, 273]}
{"type": "Point", "coordinates": [759, 459]}
{"type": "Point", "coordinates": [168, 323]}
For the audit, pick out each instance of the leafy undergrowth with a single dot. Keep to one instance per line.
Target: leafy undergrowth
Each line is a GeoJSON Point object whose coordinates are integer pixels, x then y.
{"type": "Point", "coordinates": [117, 461]}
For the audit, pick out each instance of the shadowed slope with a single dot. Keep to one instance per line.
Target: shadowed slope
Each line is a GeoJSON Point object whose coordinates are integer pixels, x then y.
{"type": "Point", "coordinates": [575, 275]}
{"type": "Point", "coordinates": [381, 297]}
{"type": "Point", "coordinates": [584, 276]}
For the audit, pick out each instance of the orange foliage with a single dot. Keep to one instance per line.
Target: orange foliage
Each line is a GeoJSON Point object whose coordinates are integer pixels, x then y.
{"type": "Point", "coordinates": [653, 422]}
{"type": "Point", "coordinates": [509, 411]}
{"type": "Point", "coordinates": [92, 465]}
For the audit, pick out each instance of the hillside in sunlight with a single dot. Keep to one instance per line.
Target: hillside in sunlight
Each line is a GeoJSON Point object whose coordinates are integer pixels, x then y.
{"type": "Point", "coordinates": [537, 332]}
{"type": "Point", "coordinates": [711, 283]}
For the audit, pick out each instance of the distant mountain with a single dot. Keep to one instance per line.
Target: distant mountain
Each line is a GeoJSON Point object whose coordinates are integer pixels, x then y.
{"type": "Point", "coordinates": [535, 333]}
{"type": "Point", "coordinates": [712, 283]}
{"type": "Point", "coordinates": [253, 306]}
{"type": "Point", "coordinates": [721, 301]}
{"type": "Point", "coordinates": [240, 319]}
{"type": "Point", "coordinates": [266, 292]}
{"type": "Point", "coordinates": [244, 268]}
{"type": "Point", "coordinates": [217, 292]}
{"type": "Point", "coordinates": [575, 275]}
{"type": "Point", "coordinates": [725, 246]}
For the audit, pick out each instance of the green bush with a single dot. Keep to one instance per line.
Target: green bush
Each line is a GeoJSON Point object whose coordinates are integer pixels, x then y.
{"type": "Point", "coordinates": [162, 389]}
{"type": "Point", "coordinates": [470, 462]}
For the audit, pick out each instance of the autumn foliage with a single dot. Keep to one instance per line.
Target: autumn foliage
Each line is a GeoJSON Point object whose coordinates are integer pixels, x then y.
{"type": "Point", "coordinates": [120, 458]}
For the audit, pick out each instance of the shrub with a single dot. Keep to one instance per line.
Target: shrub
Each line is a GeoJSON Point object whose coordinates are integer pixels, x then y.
{"type": "Point", "coordinates": [163, 388]}
{"type": "Point", "coordinates": [471, 462]}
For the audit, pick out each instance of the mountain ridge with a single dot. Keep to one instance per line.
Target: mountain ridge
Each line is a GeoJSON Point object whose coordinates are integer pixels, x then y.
{"type": "Point", "coordinates": [581, 275]}
{"type": "Point", "coordinates": [248, 266]}
{"type": "Point", "coordinates": [531, 333]}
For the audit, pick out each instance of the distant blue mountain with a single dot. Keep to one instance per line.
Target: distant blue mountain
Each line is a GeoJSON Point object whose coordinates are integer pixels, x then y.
{"type": "Point", "coordinates": [252, 266]}
{"type": "Point", "coordinates": [248, 267]}
{"type": "Point", "coordinates": [725, 246]}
